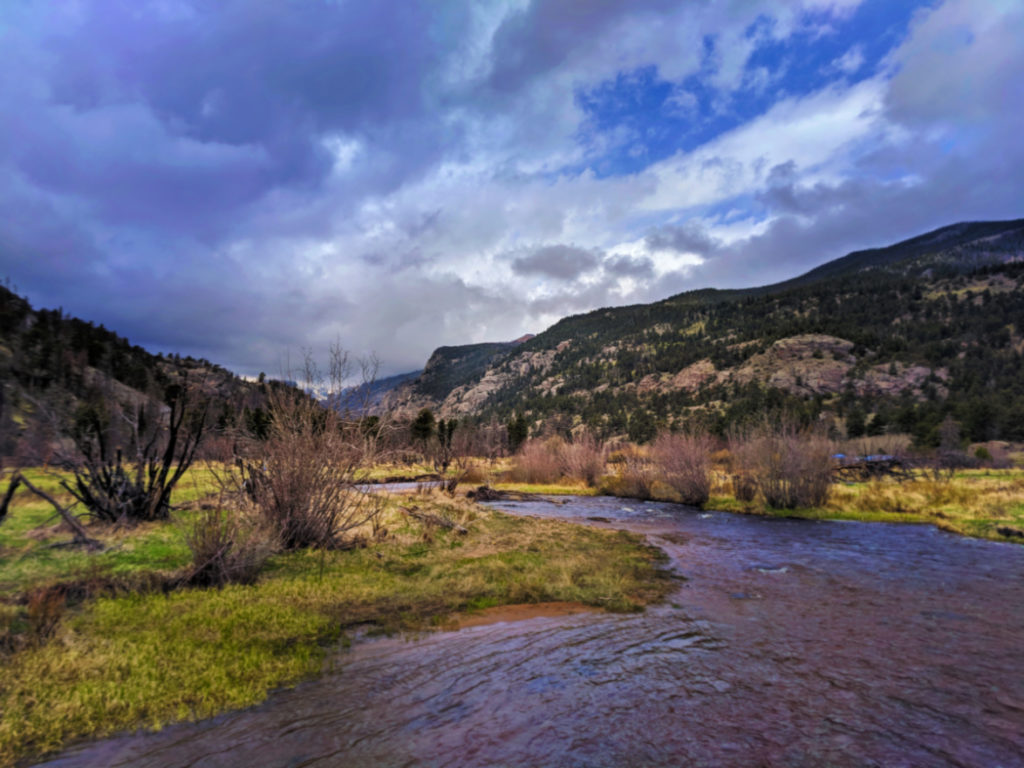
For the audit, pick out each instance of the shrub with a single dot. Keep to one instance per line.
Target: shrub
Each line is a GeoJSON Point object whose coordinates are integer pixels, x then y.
{"type": "Point", "coordinates": [476, 473]}
{"type": "Point", "coordinates": [635, 477]}
{"type": "Point", "coordinates": [46, 606]}
{"type": "Point", "coordinates": [744, 488]}
{"type": "Point", "coordinates": [791, 467]}
{"type": "Point", "coordinates": [302, 481]}
{"type": "Point", "coordinates": [226, 550]}
{"type": "Point", "coordinates": [684, 464]}
{"type": "Point", "coordinates": [583, 459]}
{"type": "Point", "coordinates": [135, 483]}
{"type": "Point", "coordinates": [537, 462]}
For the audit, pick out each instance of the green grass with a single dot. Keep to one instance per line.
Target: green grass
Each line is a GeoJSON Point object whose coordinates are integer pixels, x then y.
{"type": "Point", "coordinates": [397, 472]}
{"type": "Point", "coordinates": [148, 658]}
{"type": "Point", "coordinates": [31, 542]}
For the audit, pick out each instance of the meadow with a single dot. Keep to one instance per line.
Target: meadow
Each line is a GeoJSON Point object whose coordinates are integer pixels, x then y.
{"type": "Point", "coordinates": [98, 642]}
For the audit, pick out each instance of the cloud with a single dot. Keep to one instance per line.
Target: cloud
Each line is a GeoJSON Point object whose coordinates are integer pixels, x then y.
{"type": "Point", "coordinates": [234, 179]}
{"type": "Point", "coordinates": [685, 238]}
{"type": "Point", "coordinates": [851, 61]}
{"type": "Point", "coordinates": [629, 266]}
{"type": "Point", "coordinates": [561, 262]}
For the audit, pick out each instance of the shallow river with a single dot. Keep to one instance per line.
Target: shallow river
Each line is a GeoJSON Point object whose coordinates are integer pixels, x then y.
{"type": "Point", "coordinates": [791, 643]}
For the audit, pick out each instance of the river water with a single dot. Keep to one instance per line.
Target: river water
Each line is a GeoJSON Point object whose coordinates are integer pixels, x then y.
{"type": "Point", "coordinates": [789, 643]}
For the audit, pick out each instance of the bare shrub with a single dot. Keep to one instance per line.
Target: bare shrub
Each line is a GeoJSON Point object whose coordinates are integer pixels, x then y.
{"type": "Point", "coordinates": [226, 549]}
{"type": "Point", "coordinates": [46, 606]}
{"type": "Point", "coordinates": [537, 462]}
{"type": "Point", "coordinates": [476, 473]}
{"type": "Point", "coordinates": [303, 481]}
{"type": "Point", "coordinates": [790, 467]}
{"type": "Point", "coordinates": [744, 487]}
{"type": "Point", "coordinates": [684, 464]}
{"type": "Point", "coordinates": [132, 457]}
{"type": "Point", "coordinates": [878, 445]}
{"type": "Point", "coordinates": [635, 477]}
{"type": "Point", "coordinates": [583, 459]}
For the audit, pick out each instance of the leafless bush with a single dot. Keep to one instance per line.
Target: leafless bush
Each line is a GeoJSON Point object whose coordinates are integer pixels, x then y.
{"type": "Point", "coordinates": [226, 549]}
{"type": "Point", "coordinates": [684, 464]}
{"type": "Point", "coordinates": [46, 606]}
{"type": "Point", "coordinates": [476, 473]}
{"type": "Point", "coordinates": [537, 462]}
{"type": "Point", "coordinates": [583, 459]}
{"type": "Point", "coordinates": [791, 467]}
{"type": "Point", "coordinates": [744, 487]}
{"type": "Point", "coordinates": [132, 457]}
{"type": "Point", "coordinates": [884, 445]}
{"type": "Point", "coordinates": [635, 476]}
{"type": "Point", "coordinates": [303, 480]}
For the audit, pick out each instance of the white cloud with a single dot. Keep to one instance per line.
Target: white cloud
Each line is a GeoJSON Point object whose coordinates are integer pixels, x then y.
{"type": "Point", "coordinates": [815, 132]}
{"type": "Point", "coordinates": [851, 61]}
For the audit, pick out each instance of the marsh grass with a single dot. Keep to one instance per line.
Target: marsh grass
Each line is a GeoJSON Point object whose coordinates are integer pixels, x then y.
{"type": "Point", "coordinates": [149, 658]}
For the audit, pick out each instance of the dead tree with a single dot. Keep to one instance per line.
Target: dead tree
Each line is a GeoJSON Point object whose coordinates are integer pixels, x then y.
{"type": "Point", "coordinates": [77, 529]}
{"type": "Point", "coordinates": [116, 488]}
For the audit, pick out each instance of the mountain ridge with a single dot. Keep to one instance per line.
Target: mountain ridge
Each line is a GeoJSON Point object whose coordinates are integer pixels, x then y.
{"type": "Point", "coordinates": [599, 366]}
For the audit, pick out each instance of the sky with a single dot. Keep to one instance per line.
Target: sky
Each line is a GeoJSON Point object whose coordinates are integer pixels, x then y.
{"type": "Point", "coordinates": [242, 179]}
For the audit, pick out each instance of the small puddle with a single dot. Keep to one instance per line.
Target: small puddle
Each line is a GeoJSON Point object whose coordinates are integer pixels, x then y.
{"type": "Point", "coordinates": [507, 613]}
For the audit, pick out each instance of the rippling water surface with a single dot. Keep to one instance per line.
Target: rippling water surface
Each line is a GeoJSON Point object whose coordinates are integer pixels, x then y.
{"type": "Point", "coordinates": [791, 643]}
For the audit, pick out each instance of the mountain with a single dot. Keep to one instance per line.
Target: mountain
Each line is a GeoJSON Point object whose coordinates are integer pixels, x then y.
{"type": "Point", "coordinates": [51, 364]}
{"type": "Point", "coordinates": [448, 369]}
{"type": "Point", "coordinates": [892, 338]}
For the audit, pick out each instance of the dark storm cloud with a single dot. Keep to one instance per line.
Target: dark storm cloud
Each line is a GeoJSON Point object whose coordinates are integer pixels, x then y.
{"type": "Point", "coordinates": [140, 140]}
{"type": "Point", "coordinates": [622, 265]}
{"type": "Point", "coordinates": [545, 33]}
{"type": "Point", "coordinates": [561, 262]}
{"type": "Point", "coordinates": [686, 238]}
{"type": "Point", "coordinates": [179, 120]}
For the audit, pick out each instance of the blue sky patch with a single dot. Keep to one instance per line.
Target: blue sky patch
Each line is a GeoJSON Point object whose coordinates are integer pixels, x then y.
{"type": "Point", "coordinates": [638, 118]}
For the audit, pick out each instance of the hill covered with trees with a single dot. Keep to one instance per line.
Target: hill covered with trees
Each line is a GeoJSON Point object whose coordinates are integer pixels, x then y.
{"type": "Point", "coordinates": [889, 339]}
{"type": "Point", "coordinates": [52, 366]}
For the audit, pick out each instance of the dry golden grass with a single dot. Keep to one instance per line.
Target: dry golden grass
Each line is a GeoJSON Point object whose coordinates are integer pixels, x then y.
{"type": "Point", "coordinates": [981, 503]}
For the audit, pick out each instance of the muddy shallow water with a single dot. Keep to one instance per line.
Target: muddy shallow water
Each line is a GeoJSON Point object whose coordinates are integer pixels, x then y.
{"type": "Point", "coordinates": [791, 643]}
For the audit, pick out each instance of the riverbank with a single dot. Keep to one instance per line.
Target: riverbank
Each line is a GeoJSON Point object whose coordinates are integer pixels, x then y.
{"type": "Point", "coordinates": [100, 643]}
{"type": "Point", "coordinates": [985, 504]}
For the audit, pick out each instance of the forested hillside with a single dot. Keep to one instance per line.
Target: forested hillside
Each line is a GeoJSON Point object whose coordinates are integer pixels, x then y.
{"type": "Point", "coordinates": [892, 339]}
{"type": "Point", "coordinates": [52, 365]}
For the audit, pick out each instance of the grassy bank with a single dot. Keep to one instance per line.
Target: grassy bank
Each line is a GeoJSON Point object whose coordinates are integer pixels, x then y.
{"type": "Point", "coordinates": [987, 504]}
{"type": "Point", "coordinates": [145, 657]}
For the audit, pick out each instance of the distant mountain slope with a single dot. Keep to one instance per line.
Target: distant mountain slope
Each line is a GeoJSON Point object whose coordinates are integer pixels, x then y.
{"type": "Point", "coordinates": [369, 395]}
{"type": "Point", "coordinates": [921, 329]}
{"type": "Point", "coordinates": [447, 369]}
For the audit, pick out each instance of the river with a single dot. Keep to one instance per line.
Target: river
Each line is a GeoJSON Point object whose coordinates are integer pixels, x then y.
{"type": "Point", "coordinates": [790, 643]}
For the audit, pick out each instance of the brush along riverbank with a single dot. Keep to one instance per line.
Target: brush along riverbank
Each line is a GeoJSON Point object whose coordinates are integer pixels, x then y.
{"type": "Point", "coordinates": [981, 504]}
{"type": "Point", "coordinates": [96, 646]}
{"type": "Point", "coordinates": [984, 504]}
